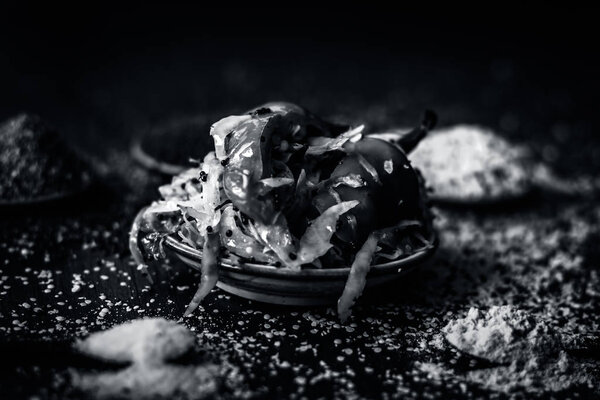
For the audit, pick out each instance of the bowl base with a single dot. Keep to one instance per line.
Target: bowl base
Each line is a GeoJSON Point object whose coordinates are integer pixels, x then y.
{"type": "Point", "coordinates": [287, 300]}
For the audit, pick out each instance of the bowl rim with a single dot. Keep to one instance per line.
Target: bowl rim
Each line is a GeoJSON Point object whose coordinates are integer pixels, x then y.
{"type": "Point", "coordinates": [153, 163]}
{"type": "Point", "coordinates": [183, 250]}
{"type": "Point", "coordinates": [150, 163]}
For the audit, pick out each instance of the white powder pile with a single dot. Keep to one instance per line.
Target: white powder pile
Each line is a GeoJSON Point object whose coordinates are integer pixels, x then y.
{"type": "Point", "coordinates": [148, 344]}
{"type": "Point", "coordinates": [530, 353]}
{"type": "Point", "coordinates": [142, 341]}
{"type": "Point", "coordinates": [500, 334]}
{"type": "Point", "coordinates": [470, 163]}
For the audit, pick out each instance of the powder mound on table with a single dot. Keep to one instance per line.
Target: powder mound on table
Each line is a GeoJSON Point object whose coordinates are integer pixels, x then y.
{"type": "Point", "coordinates": [148, 344]}
{"type": "Point", "coordinates": [35, 162]}
{"type": "Point", "coordinates": [470, 163]}
{"type": "Point", "coordinates": [530, 351]}
{"type": "Point", "coordinates": [500, 334]}
{"type": "Point", "coordinates": [147, 341]}
{"type": "Point", "coordinates": [138, 382]}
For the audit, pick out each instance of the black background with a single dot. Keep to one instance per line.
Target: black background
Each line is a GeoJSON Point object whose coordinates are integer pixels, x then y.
{"type": "Point", "coordinates": [103, 68]}
{"type": "Point", "coordinates": [103, 72]}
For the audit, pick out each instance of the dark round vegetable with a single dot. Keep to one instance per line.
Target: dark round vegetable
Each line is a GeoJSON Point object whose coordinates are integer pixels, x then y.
{"type": "Point", "coordinates": [389, 195]}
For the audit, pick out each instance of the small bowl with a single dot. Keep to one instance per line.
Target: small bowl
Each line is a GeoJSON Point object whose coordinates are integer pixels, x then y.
{"type": "Point", "coordinates": [190, 133]}
{"type": "Point", "coordinates": [150, 163]}
{"type": "Point", "coordinates": [306, 287]}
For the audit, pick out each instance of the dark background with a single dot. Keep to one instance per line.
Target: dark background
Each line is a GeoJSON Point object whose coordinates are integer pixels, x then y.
{"type": "Point", "coordinates": [102, 71]}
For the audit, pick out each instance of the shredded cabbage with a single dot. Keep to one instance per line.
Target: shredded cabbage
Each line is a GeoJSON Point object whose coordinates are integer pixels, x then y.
{"type": "Point", "coordinates": [326, 145]}
{"type": "Point", "coordinates": [357, 277]}
{"type": "Point", "coordinates": [316, 240]}
{"type": "Point", "coordinates": [210, 270]}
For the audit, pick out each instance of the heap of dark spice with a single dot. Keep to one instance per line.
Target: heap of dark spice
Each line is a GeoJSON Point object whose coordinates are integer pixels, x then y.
{"type": "Point", "coordinates": [35, 163]}
{"type": "Point", "coordinates": [178, 140]}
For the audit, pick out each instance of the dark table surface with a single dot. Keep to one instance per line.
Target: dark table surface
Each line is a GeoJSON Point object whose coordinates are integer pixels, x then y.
{"type": "Point", "coordinates": [535, 96]}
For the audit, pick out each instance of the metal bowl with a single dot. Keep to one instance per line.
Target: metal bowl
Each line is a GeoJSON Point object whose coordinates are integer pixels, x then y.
{"type": "Point", "coordinates": [273, 285]}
